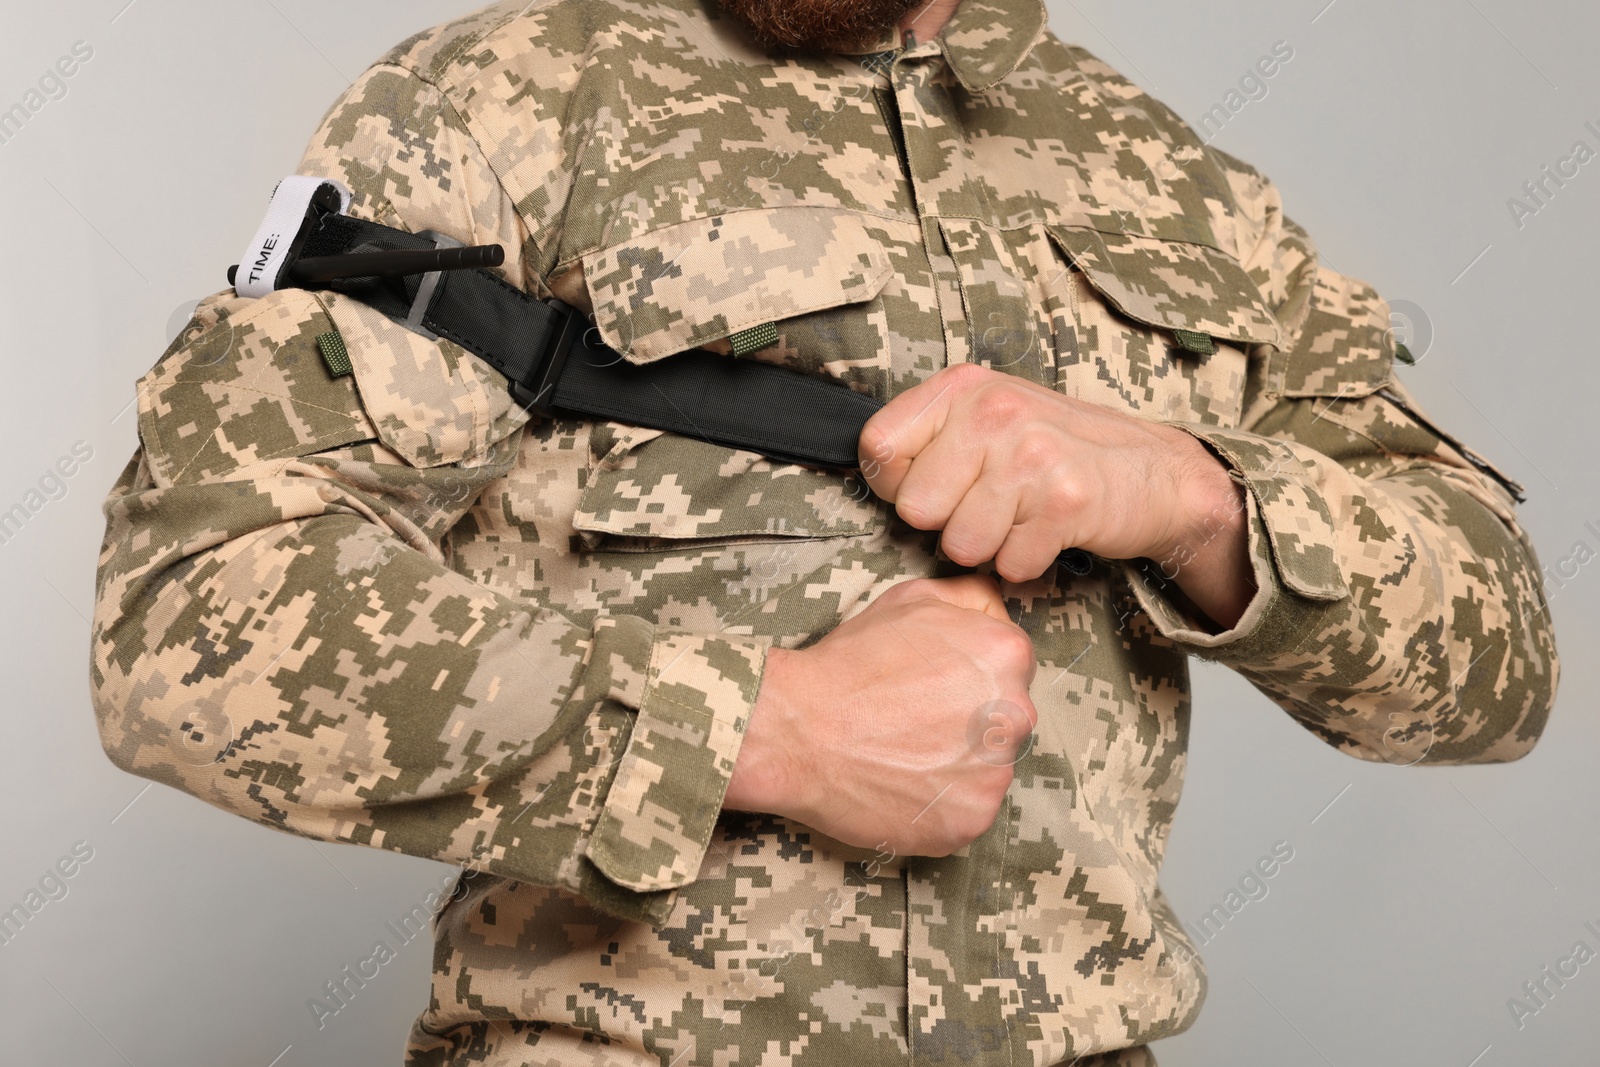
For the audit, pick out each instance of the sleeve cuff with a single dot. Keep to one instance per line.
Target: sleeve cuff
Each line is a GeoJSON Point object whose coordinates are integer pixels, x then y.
{"type": "Point", "coordinates": [694, 694]}
{"type": "Point", "coordinates": [1293, 549]}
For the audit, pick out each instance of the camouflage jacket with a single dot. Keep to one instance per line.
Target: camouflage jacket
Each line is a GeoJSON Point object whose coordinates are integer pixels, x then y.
{"type": "Point", "coordinates": [390, 608]}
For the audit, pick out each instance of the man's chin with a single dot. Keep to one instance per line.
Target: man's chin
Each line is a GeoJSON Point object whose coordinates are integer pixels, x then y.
{"type": "Point", "coordinates": [816, 25]}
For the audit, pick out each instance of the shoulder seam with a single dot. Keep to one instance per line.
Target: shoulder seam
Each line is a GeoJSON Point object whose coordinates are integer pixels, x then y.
{"type": "Point", "coordinates": [447, 99]}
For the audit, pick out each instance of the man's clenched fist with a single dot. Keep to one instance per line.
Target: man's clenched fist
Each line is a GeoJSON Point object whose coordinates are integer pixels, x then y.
{"type": "Point", "coordinates": [1013, 472]}
{"type": "Point", "coordinates": [868, 735]}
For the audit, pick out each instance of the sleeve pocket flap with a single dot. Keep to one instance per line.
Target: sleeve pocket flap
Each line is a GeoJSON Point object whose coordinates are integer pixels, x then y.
{"type": "Point", "coordinates": [1345, 349]}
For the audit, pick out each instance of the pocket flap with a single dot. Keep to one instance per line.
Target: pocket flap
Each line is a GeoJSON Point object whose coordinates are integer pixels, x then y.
{"type": "Point", "coordinates": [684, 285]}
{"type": "Point", "coordinates": [655, 485]}
{"type": "Point", "coordinates": [1345, 349]}
{"type": "Point", "coordinates": [1174, 285]}
{"type": "Point", "coordinates": [432, 402]}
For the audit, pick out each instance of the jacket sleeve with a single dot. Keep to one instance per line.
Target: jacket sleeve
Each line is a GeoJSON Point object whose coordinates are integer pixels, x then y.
{"type": "Point", "coordinates": [1399, 612]}
{"type": "Point", "coordinates": [278, 627]}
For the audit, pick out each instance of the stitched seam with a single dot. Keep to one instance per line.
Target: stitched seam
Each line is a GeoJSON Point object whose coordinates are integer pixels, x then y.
{"type": "Point", "coordinates": [999, 934]}
{"type": "Point", "coordinates": [480, 410]}
{"type": "Point", "coordinates": [285, 396]}
{"type": "Point", "coordinates": [565, 264]}
{"type": "Point", "coordinates": [449, 58]}
{"type": "Point", "coordinates": [288, 455]}
{"type": "Point", "coordinates": [822, 534]}
{"type": "Point", "coordinates": [466, 129]}
{"type": "Point", "coordinates": [647, 350]}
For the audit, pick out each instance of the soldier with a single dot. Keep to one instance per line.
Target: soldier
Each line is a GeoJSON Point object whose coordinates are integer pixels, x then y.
{"type": "Point", "coordinates": [743, 762]}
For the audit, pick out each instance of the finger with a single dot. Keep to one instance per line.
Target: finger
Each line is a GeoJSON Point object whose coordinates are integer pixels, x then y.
{"type": "Point", "coordinates": [981, 524]}
{"type": "Point", "coordinates": [1045, 525]}
{"type": "Point", "coordinates": [976, 592]}
{"type": "Point", "coordinates": [939, 478]}
{"type": "Point", "coordinates": [902, 428]}
{"type": "Point", "coordinates": [1030, 549]}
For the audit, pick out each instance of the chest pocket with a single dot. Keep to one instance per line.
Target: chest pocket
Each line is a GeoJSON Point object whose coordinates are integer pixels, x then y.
{"type": "Point", "coordinates": [813, 274]}
{"type": "Point", "coordinates": [722, 518]}
{"type": "Point", "coordinates": [694, 535]}
{"type": "Point", "coordinates": [1163, 327]}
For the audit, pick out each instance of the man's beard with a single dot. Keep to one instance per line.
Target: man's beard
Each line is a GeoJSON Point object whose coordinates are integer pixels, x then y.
{"type": "Point", "coordinates": [817, 24]}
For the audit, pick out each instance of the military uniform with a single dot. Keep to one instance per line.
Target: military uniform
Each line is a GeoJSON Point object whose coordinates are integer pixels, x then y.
{"type": "Point", "coordinates": [390, 608]}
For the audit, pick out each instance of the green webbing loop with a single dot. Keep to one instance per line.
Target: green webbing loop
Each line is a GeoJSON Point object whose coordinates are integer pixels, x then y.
{"type": "Point", "coordinates": [1198, 343]}
{"type": "Point", "coordinates": [754, 339]}
{"type": "Point", "coordinates": [334, 354]}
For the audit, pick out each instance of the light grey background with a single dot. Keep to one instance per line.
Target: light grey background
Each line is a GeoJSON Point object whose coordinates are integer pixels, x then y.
{"type": "Point", "coordinates": [1415, 905]}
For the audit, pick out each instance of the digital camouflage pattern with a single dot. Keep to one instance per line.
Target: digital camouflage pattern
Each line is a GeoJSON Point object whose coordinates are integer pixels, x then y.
{"type": "Point", "coordinates": [389, 609]}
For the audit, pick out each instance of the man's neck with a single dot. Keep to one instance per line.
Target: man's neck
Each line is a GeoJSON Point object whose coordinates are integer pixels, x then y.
{"type": "Point", "coordinates": [924, 22]}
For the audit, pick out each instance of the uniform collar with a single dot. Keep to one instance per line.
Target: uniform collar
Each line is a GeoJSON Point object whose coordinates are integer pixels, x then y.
{"type": "Point", "coordinates": [984, 41]}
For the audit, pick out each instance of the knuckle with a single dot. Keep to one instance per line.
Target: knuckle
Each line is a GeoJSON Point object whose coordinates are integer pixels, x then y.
{"type": "Point", "coordinates": [1018, 566]}
{"type": "Point", "coordinates": [1067, 496]}
{"type": "Point", "coordinates": [1012, 646]}
{"type": "Point", "coordinates": [1035, 451]}
{"type": "Point", "coordinates": [1011, 570]}
{"type": "Point", "coordinates": [966, 375]}
{"type": "Point", "coordinates": [998, 404]}
{"type": "Point", "coordinates": [963, 547]}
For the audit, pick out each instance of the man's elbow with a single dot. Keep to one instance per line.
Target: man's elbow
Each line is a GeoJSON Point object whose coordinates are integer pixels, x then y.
{"type": "Point", "coordinates": [147, 725]}
{"type": "Point", "coordinates": [1503, 746]}
{"type": "Point", "coordinates": [1495, 712]}
{"type": "Point", "coordinates": [121, 710]}
{"type": "Point", "coordinates": [1499, 718]}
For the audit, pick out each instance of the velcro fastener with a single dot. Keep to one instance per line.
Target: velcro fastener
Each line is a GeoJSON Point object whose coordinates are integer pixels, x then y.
{"type": "Point", "coordinates": [663, 804]}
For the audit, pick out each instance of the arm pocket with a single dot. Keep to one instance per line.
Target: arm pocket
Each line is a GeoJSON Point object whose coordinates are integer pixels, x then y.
{"type": "Point", "coordinates": [245, 383]}
{"type": "Point", "coordinates": [248, 382]}
{"type": "Point", "coordinates": [1344, 366]}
